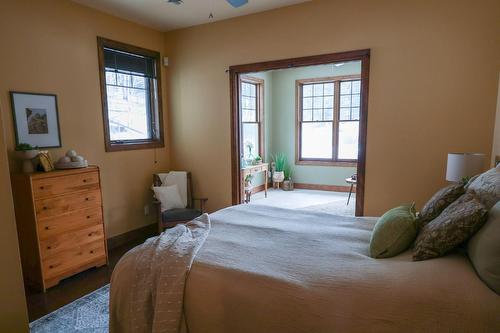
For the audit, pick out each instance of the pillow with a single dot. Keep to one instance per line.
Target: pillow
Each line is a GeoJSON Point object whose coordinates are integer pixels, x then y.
{"type": "Point", "coordinates": [456, 224]}
{"type": "Point", "coordinates": [169, 197]}
{"type": "Point", "coordinates": [439, 201]}
{"type": "Point", "coordinates": [486, 187]}
{"type": "Point", "coordinates": [394, 232]}
{"type": "Point", "coordinates": [484, 250]}
{"type": "Point", "coordinates": [178, 178]}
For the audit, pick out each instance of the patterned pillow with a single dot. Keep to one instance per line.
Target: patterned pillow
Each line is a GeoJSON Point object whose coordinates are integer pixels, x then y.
{"type": "Point", "coordinates": [456, 224]}
{"type": "Point", "coordinates": [439, 201]}
{"type": "Point", "coordinates": [486, 187]}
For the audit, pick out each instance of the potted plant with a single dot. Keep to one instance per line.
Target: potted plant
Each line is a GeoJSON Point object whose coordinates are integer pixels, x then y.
{"type": "Point", "coordinates": [288, 183]}
{"type": "Point", "coordinates": [279, 167]}
{"type": "Point", "coordinates": [27, 153]}
{"type": "Point", "coordinates": [258, 160]}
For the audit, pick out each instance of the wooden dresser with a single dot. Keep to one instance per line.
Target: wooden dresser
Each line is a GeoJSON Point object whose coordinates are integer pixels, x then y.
{"type": "Point", "coordinates": [59, 224]}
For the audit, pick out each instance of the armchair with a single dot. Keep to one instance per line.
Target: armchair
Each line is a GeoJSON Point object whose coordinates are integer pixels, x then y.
{"type": "Point", "coordinates": [170, 218]}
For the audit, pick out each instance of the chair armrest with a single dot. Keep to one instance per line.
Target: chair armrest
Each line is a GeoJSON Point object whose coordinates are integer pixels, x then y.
{"type": "Point", "coordinates": [202, 203]}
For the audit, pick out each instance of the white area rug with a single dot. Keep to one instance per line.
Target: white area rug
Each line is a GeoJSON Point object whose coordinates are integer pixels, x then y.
{"type": "Point", "coordinates": [319, 201]}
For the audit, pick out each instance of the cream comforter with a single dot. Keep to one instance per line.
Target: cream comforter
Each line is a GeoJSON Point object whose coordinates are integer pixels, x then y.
{"type": "Point", "coordinates": [265, 269]}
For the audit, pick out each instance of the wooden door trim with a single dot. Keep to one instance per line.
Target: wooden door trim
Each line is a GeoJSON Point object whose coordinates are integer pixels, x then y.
{"type": "Point", "coordinates": [234, 77]}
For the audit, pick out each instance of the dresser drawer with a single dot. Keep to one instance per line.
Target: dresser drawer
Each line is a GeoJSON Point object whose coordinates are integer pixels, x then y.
{"type": "Point", "coordinates": [69, 260]}
{"type": "Point", "coordinates": [54, 245]}
{"type": "Point", "coordinates": [47, 187]}
{"type": "Point", "coordinates": [75, 220]}
{"type": "Point", "coordinates": [67, 203]}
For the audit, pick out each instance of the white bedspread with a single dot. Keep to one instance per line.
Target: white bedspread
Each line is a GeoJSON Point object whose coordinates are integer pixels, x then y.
{"type": "Point", "coordinates": [265, 269]}
{"type": "Point", "coordinates": [147, 286]}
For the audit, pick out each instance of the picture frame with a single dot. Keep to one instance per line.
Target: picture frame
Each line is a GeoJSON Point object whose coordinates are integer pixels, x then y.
{"type": "Point", "coordinates": [36, 119]}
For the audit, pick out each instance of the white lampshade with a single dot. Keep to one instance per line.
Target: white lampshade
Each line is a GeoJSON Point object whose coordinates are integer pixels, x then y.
{"type": "Point", "coordinates": [462, 165]}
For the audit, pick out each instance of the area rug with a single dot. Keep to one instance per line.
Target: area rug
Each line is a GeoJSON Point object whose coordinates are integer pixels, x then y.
{"type": "Point", "coordinates": [87, 314]}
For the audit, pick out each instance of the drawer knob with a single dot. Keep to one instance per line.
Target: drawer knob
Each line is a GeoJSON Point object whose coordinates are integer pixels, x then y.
{"type": "Point", "coordinates": [90, 234]}
{"type": "Point", "coordinates": [46, 228]}
{"type": "Point", "coordinates": [85, 180]}
{"type": "Point", "coordinates": [91, 251]}
{"type": "Point", "coordinates": [88, 216]}
{"type": "Point", "coordinates": [49, 247]}
{"type": "Point", "coordinates": [87, 199]}
{"type": "Point", "coordinates": [41, 187]}
{"type": "Point", "coordinates": [51, 266]}
{"type": "Point", "coordinates": [45, 207]}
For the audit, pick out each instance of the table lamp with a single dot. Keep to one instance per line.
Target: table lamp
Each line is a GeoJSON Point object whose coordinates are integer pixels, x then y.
{"type": "Point", "coordinates": [462, 166]}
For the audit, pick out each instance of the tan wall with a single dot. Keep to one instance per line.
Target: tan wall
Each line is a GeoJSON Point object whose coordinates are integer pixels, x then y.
{"type": "Point", "coordinates": [433, 85]}
{"type": "Point", "coordinates": [50, 46]}
{"type": "Point", "coordinates": [13, 315]}
{"type": "Point", "coordinates": [495, 153]}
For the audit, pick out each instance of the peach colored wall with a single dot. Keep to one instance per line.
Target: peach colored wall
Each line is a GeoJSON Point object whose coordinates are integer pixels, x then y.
{"type": "Point", "coordinates": [495, 153]}
{"type": "Point", "coordinates": [50, 46]}
{"type": "Point", "coordinates": [433, 85]}
{"type": "Point", "coordinates": [13, 314]}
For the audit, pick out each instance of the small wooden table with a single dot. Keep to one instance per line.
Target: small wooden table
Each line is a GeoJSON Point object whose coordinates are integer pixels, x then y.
{"type": "Point", "coordinates": [253, 169]}
{"type": "Point", "coordinates": [353, 182]}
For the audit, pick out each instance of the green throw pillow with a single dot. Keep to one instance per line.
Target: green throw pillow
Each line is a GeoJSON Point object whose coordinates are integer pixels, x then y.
{"type": "Point", "coordinates": [394, 232]}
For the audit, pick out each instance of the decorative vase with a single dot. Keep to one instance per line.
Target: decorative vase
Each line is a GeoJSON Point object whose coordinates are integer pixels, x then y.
{"type": "Point", "coordinates": [288, 185]}
{"type": "Point", "coordinates": [27, 157]}
{"type": "Point", "coordinates": [278, 176]}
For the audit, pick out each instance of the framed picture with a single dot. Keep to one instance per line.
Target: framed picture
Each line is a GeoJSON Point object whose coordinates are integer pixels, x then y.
{"type": "Point", "coordinates": [36, 120]}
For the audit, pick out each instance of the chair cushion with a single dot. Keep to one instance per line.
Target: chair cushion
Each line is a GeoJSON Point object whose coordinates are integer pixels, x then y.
{"type": "Point", "coordinates": [180, 214]}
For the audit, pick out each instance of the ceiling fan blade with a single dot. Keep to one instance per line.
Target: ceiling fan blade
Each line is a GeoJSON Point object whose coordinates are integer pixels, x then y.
{"type": "Point", "coordinates": [237, 3]}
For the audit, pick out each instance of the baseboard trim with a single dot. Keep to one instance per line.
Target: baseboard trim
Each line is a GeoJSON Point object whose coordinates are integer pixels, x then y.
{"type": "Point", "coordinates": [319, 187]}
{"type": "Point", "coordinates": [304, 186]}
{"type": "Point", "coordinates": [133, 235]}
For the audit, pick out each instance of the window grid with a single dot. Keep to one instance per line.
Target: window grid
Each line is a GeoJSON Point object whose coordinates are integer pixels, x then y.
{"type": "Point", "coordinates": [345, 93]}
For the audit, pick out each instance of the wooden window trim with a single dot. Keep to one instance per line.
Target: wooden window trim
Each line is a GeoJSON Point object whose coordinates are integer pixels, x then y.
{"type": "Point", "coordinates": [260, 110]}
{"type": "Point", "coordinates": [335, 122]}
{"type": "Point", "coordinates": [156, 142]}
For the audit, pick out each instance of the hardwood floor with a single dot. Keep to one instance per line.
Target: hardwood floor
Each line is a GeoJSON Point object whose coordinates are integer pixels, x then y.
{"type": "Point", "coordinates": [72, 288]}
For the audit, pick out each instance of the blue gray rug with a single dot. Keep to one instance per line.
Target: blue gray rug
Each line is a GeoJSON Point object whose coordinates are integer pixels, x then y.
{"type": "Point", "coordinates": [87, 314]}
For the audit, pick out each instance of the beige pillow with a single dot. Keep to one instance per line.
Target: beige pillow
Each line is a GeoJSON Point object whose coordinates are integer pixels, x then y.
{"type": "Point", "coordinates": [169, 197]}
{"type": "Point", "coordinates": [484, 250]}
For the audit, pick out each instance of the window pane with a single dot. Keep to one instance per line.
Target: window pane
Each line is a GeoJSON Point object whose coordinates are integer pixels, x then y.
{"type": "Point", "coordinates": [316, 140]}
{"type": "Point", "coordinates": [355, 100]}
{"type": "Point", "coordinates": [318, 102]}
{"type": "Point", "coordinates": [307, 103]}
{"type": "Point", "coordinates": [318, 114]}
{"type": "Point", "coordinates": [345, 101]}
{"type": "Point", "coordinates": [348, 140]}
{"type": "Point", "coordinates": [356, 87]}
{"type": "Point", "coordinates": [307, 115]}
{"type": "Point", "coordinates": [328, 89]}
{"type": "Point", "coordinates": [139, 82]}
{"type": "Point", "coordinates": [307, 90]}
{"type": "Point", "coordinates": [345, 113]}
{"type": "Point", "coordinates": [318, 89]}
{"type": "Point", "coordinates": [329, 102]}
{"type": "Point", "coordinates": [328, 114]}
{"type": "Point", "coordinates": [253, 89]}
{"type": "Point", "coordinates": [250, 137]}
{"type": "Point", "coordinates": [248, 115]}
{"type": "Point", "coordinates": [355, 113]}
{"type": "Point", "coordinates": [110, 78]}
{"type": "Point", "coordinates": [124, 80]}
{"type": "Point", "coordinates": [246, 102]}
{"type": "Point", "coordinates": [345, 87]}
{"type": "Point", "coordinates": [245, 89]}
{"type": "Point", "coordinates": [128, 112]}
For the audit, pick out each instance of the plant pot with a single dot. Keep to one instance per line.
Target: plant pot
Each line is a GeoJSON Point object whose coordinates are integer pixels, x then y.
{"type": "Point", "coordinates": [288, 185]}
{"type": "Point", "coordinates": [278, 176]}
{"type": "Point", "coordinates": [27, 157]}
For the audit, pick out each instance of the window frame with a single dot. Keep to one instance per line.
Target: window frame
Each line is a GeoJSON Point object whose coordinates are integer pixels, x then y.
{"type": "Point", "coordinates": [155, 115]}
{"type": "Point", "coordinates": [259, 83]}
{"type": "Point", "coordinates": [334, 161]}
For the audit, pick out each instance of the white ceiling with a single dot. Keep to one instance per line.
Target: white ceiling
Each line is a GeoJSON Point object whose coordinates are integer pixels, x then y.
{"type": "Point", "coordinates": [165, 16]}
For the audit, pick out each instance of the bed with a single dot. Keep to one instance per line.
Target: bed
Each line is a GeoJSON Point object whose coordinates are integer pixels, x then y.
{"type": "Point", "coordinates": [278, 270]}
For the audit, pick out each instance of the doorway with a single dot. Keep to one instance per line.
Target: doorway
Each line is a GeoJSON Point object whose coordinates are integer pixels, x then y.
{"type": "Point", "coordinates": [247, 117]}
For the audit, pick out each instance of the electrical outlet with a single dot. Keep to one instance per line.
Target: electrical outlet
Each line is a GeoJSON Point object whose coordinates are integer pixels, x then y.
{"type": "Point", "coordinates": [146, 210]}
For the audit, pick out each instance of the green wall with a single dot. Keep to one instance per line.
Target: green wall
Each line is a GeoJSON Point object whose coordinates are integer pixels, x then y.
{"type": "Point", "coordinates": [279, 114]}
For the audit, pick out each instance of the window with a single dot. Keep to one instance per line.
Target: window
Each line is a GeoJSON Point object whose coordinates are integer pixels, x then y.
{"type": "Point", "coordinates": [252, 117]}
{"type": "Point", "coordinates": [131, 96]}
{"type": "Point", "coordinates": [328, 120]}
